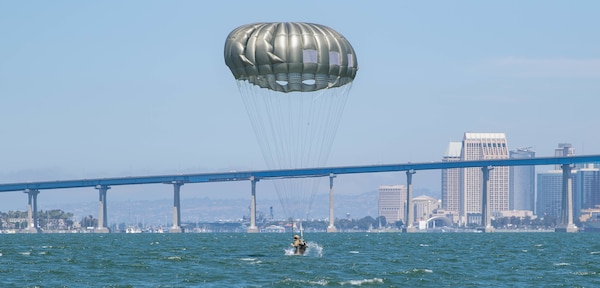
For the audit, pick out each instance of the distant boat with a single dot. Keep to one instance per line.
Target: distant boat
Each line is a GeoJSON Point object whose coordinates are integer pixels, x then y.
{"type": "Point", "coordinates": [592, 223]}
{"type": "Point", "coordinates": [132, 229]}
{"type": "Point", "coordinates": [274, 229]}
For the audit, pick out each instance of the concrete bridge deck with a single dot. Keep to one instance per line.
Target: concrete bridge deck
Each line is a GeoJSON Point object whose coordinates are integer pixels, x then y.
{"type": "Point", "coordinates": [103, 184]}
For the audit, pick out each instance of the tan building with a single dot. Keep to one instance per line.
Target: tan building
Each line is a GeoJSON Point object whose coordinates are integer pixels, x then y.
{"type": "Point", "coordinates": [516, 213]}
{"type": "Point", "coordinates": [451, 179]}
{"type": "Point", "coordinates": [425, 207]}
{"type": "Point", "coordinates": [484, 146]}
{"type": "Point", "coordinates": [392, 203]}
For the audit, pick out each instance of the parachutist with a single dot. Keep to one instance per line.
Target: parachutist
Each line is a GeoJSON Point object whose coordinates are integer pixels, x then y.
{"type": "Point", "coordinates": [299, 245]}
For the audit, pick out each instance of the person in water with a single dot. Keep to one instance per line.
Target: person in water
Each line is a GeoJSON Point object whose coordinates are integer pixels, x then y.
{"type": "Point", "coordinates": [299, 245]}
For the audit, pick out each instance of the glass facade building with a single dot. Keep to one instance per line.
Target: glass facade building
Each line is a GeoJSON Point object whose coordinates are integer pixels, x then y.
{"type": "Point", "coordinates": [522, 182]}
{"type": "Point", "coordinates": [549, 194]}
{"type": "Point", "coordinates": [587, 189]}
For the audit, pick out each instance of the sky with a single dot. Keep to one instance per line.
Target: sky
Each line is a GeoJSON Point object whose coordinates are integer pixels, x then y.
{"type": "Point", "coordinates": [93, 89]}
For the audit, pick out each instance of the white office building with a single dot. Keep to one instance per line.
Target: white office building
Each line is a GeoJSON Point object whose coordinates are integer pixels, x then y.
{"type": "Point", "coordinates": [451, 180]}
{"type": "Point", "coordinates": [424, 207]}
{"type": "Point", "coordinates": [484, 146]}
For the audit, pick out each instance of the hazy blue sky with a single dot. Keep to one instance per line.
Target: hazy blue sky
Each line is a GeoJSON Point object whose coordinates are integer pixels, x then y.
{"type": "Point", "coordinates": [116, 88]}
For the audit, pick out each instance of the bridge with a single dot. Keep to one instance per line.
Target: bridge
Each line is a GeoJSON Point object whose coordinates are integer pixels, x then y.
{"type": "Point", "coordinates": [32, 189]}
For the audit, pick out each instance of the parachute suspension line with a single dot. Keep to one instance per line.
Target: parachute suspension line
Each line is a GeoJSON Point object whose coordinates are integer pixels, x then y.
{"type": "Point", "coordinates": [269, 118]}
{"type": "Point", "coordinates": [319, 114]}
{"type": "Point", "coordinates": [294, 130]}
{"type": "Point", "coordinates": [335, 111]}
{"type": "Point", "coordinates": [266, 116]}
{"type": "Point", "coordinates": [331, 113]}
{"type": "Point", "coordinates": [285, 142]}
{"type": "Point", "coordinates": [258, 107]}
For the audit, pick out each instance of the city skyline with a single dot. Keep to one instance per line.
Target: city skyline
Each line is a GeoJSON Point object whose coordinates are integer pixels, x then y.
{"type": "Point", "coordinates": [454, 153]}
{"type": "Point", "coordinates": [585, 187]}
{"type": "Point", "coordinates": [514, 189]}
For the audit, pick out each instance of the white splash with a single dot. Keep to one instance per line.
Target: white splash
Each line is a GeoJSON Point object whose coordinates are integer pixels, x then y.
{"type": "Point", "coordinates": [363, 281]}
{"type": "Point", "coordinates": [251, 260]}
{"type": "Point", "coordinates": [312, 249]}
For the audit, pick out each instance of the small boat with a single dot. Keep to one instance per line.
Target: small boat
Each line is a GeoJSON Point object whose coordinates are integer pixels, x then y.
{"type": "Point", "coordinates": [132, 229]}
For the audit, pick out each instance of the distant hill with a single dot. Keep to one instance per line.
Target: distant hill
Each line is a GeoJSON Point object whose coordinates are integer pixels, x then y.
{"type": "Point", "coordinates": [160, 212]}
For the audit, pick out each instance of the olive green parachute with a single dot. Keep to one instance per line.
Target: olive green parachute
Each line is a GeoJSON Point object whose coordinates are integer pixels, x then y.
{"type": "Point", "coordinates": [294, 79]}
{"type": "Point", "coordinates": [290, 56]}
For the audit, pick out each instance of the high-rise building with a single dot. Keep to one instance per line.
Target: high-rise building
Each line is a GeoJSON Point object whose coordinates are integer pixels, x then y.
{"type": "Point", "coordinates": [549, 194]}
{"type": "Point", "coordinates": [392, 203]}
{"type": "Point", "coordinates": [451, 179]}
{"type": "Point", "coordinates": [484, 146]}
{"type": "Point", "coordinates": [550, 186]}
{"type": "Point", "coordinates": [522, 182]}
{"type": "Point", "coordinates": [563, 150]}
{"type": "Point", "coordinates": [587, 189]}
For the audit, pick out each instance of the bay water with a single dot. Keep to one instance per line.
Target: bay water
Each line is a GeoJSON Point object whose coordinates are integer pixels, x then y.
{"type": "Point", "coordinates": [332, 260]}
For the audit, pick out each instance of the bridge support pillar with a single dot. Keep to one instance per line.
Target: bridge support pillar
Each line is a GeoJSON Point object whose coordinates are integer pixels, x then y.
{"type": "Point", "coordinates": [331, 228]}
{"type": "Point", "coordinates": [32, 219]}
{"type": "Point", "coordinates": [102, 218]}
{"type": "Point", "coordinates": [253, 228]}
{"type": "Point", "coordinates": [486, 221]}
{"type": "Point", "coordinates": [566, 218]}
{"type": "Point", "coordinates": [409, 228]}
{"type": "Point", "coordinates": [176, 228]}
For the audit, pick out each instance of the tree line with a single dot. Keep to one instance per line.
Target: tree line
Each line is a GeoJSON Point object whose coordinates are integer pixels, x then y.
{"type": "Point", "coordinates": [54, 219]}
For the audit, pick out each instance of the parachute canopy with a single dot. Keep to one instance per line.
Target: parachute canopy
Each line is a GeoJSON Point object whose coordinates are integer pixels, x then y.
{"type": "Point", "coordinates": [290, 56]}
{"type": "Point", "coordinates": [294, 79]}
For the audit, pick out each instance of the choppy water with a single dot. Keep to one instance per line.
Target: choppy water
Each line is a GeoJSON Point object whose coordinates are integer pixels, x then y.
{"type": "Point", "coordinates": [333, 260]}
